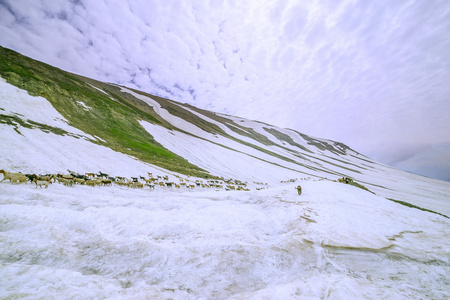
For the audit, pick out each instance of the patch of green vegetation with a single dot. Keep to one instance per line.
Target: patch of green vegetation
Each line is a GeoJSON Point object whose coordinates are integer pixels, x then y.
{"type": "Point", "coordinates": [286, 138]}
{"type": "Point", "coordinates": [416, 207]}
{"type": "Point", "coordinates": [366, 160]}
{"type": "Point", "coordinates": [348, 180]}
{"type": "Point", "coordinates": [15, 121]}
{"type": "Point", "coordinates": [360, 186]}
{"type": "Point", "coordinates": [115, 121]}
{"type": "Point", "coordinates": [329, 162]}
{"type": "Point", "coordinates": [175, 110]}
{"type": "Point", "coordinates": [338, 148]}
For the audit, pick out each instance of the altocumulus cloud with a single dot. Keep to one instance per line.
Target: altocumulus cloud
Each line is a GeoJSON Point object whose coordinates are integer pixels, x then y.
{"type": "Point", "coordinates": [371, 74]}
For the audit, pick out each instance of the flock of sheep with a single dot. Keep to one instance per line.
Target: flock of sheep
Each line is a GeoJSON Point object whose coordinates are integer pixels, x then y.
{"type": "Point", "coordinates": [102, 179]}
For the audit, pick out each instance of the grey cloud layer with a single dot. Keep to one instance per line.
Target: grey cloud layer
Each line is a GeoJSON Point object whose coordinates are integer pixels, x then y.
{"type": "Point", "coordinates": [371, 74]}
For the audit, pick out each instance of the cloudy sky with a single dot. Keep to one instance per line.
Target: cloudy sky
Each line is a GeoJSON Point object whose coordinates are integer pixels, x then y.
{"type": "Point", "coordinates": [372, 74]}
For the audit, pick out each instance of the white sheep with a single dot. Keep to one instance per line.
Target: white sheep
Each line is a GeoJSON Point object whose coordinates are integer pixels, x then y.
{"type": "Point", "coordinates": [13, 177]}
{"type": "Point", "coordinates": [40, 183]}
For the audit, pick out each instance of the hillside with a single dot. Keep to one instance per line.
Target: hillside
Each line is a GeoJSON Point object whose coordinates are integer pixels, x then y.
{"type": "Point", "coordinates": [198, 234]}
{"type": "Point", "coordinates": [84, 119]}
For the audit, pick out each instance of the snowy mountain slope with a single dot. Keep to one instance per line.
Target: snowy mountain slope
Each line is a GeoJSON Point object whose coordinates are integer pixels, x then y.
{"type": "Point", "coordinates": [160, 134]}
{"type": "Point", "coordinates": [335, 241]}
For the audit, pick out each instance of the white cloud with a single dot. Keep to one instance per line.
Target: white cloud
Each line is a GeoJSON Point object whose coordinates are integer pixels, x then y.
{"type": "Point", "coordinates": [433, 161]}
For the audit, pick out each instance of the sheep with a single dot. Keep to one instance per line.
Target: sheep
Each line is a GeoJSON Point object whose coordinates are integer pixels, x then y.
{"type": "Point", "coordinates": [100, 174]}
{"type": "Point", "coordinates": [60, 179]}
{"type": "Point", "coordinates": [150, 180]}
{"type": "Point", "coordinates": [137, 184]}
{"type": "Point", "coordinates": [93, 182]}
{"type": "Point", "coordinates": [169, 184]}
{"type": "Point", "coordinates": [65, 176]}
{"type": "Point", "coordinates": [68, 182]}
{"type": "Point", "coordinates": [79, 180]}
{"type": "Point", "coordinates": [106, 181]}
{"type": "Point", "coordinates": [45, 177]}
{"type": "Point", "coordinates": [40, 183]}
{"type": "Point", "coordinates": [13, 177]}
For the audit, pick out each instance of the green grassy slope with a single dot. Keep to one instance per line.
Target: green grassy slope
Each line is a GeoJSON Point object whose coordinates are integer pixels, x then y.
{"type": "Point", "coordinates": [113, 117]}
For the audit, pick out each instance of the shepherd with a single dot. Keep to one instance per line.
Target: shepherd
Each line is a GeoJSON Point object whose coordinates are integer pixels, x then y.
{"type": "Point", "coordinates": [299, 189]}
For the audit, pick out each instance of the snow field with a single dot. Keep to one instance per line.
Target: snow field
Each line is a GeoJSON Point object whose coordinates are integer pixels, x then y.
{"type": "Point", "coordinates": [333, 241]}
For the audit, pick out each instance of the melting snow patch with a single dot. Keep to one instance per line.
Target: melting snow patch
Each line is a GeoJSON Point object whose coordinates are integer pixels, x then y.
{"type": "Point", "coordinates": [85, 107]}
{"type": "Point", "coordinates": [97, 88]}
